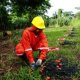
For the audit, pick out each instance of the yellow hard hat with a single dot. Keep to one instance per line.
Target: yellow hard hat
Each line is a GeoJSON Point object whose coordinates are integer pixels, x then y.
{"type": "Point", "coordinates": [38, 22]}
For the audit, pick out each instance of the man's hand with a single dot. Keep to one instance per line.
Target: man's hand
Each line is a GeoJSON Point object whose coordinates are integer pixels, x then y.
{"type": "Point", "coordinates": [33, 66]}
{"type": "Point", "coordinates": [39, 62]}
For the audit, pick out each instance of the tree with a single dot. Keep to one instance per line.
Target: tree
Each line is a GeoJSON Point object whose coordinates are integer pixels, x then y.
{"type": "Point", "coordinates": [30, 6]}
{"type": "Point", "coordinates": [20, 8]}
{"type": "Point", "coordinates": [3, 15]}
{"type": "Point", "coordinates": [59, 12]}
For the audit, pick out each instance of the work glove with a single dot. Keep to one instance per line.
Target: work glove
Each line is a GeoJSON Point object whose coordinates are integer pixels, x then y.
{"type": "Point", "coordinates": [33, 66]}
{"type": "Point", "coordinates": [38, 62]}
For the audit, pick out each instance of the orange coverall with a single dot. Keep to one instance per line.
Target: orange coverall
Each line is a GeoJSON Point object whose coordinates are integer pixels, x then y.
{"type": "Point", "coordinates": [30, 42]}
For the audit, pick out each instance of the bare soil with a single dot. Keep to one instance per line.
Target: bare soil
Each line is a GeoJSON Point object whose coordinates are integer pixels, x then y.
{"type": "Point", "coordinates": [8, 59]}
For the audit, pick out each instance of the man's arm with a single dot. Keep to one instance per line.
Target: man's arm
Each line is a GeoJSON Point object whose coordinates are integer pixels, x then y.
{"type": "Point", "coordinates": [43, 47]}
{"type": "Point", "coordinates": [27, 47]}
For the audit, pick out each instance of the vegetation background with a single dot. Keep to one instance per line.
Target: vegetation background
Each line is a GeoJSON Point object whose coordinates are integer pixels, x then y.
{"type": "Point", "coordinates": [15, 15]}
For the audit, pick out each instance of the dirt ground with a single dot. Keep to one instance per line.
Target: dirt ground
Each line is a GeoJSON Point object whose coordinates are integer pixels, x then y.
{"type": "Point", "coordinates": [8, 59]}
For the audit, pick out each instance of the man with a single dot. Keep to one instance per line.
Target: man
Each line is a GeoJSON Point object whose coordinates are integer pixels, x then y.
{"type": "Point", "coordinates": [33, 39]}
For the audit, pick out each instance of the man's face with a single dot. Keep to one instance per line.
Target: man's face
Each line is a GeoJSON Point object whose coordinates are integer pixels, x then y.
{"type": "Point", "coordinates": [36, 30]}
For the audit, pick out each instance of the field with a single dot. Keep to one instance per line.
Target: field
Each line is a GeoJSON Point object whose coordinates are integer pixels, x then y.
{"type": "Point", "coordinates": [12, 68]}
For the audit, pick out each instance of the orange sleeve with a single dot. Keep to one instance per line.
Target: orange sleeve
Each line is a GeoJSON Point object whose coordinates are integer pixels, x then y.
{"type": "Point", "coordinates": [27, 47]}
{"type": "Point", "coordinates": [43, 54]}
{"type": "Point", "coordinates": [25, 40]}
{"type": "Point", "coordinates": [43, 46]}
{"type": "Point", "coordinates": [19, 49]}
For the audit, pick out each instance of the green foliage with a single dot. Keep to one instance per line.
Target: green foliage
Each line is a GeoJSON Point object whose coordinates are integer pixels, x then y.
{"type": "Point", "coordinates": [60, 21]}
{"type": "Point", "coordinates": [19, 23]}
{"type": "Point", "coordinates": [16, 38]}
{"type": "Point", "coordinates": [46, 21]}
{"type": "Point", "coordinates": [3, 2]}
{"type": "Point", "coordinates": [4, 20]}
{"type": "Point", "coordinates": [54, 33]}
{"type": "Point", "coordinates": [61, 18]}
{"type": "Point", "coordinates": [77, 15]}
{"type": "Point", "coordinates": [53, 21]}
{"type": "Point", "coordinates": [24, 73]}
{"type": "Point", "coordinates": [59, 12]}
{"type": "Point", "coordinates": [67, 14]}
{"type": "Point", "coordinates": [63, 21]}
{"type": "Point", "coordinates": [75, 22]}
{"type": "Point", "coordinates": [67, 21]}
{"type": "Point", "coordinates": [30, 6]}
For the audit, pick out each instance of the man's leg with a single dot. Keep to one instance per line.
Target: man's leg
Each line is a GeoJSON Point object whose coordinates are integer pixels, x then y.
{"type": "Point", "coordinates": [24, 58]}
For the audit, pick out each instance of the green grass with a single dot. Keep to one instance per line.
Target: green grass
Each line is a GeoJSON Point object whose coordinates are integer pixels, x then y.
{"type": "Point", "coordinates": [54, 33]}
{"type": "Point", "coordinates": [70, 52]}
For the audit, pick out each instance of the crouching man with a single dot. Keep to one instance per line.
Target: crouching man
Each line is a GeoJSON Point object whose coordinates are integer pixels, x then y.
{"type": "Point", "coordinates": [33, 39]}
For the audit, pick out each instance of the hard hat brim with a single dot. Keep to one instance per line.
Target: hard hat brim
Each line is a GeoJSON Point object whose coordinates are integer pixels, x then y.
{"type": "Point", "coordinates": [43, 27]}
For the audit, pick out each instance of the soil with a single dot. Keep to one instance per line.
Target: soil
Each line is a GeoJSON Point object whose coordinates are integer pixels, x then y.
{"type": "Point", "coordinates": [8, 59]}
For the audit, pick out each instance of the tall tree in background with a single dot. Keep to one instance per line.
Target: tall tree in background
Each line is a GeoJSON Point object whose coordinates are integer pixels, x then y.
{"type": "Point", "coordinates": [30, 7]}
{"type": "Point", "coordinates": [3, 15]}
{"type": "Point", "coordinates": [33, 7]}
{"type": "Point", "coordinates": [60, 12]}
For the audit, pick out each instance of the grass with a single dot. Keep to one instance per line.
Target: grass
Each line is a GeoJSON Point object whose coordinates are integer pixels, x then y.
{"type": "Point", "coordinates": [71, 52]}
{"type": "Point", "coordinates": [53, 34]}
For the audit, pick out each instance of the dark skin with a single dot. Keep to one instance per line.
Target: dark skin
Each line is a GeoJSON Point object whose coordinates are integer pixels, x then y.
{"type": "Point", "coordinates": [36, 30]}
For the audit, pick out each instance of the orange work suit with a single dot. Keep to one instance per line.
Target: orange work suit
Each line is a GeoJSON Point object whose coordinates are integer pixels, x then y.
{"type": "Point", "coordinates": [31, 42]}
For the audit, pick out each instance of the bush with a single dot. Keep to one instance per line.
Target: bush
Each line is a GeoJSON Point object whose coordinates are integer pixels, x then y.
{"type": "Point", "coordinates": [60, 21]}
{"type": "Point", "coordinates": [53, 21]}
{"type": "Point", "coordinates": [67, 21]}
{"type": "Point", "coordinates": [75, 22]}
{"type": "Point", "coordinates": [63, 21]}
{"type": "Point", "coordinates": [19, 23]}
